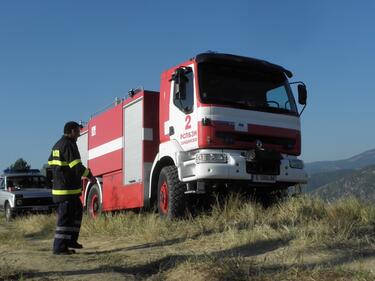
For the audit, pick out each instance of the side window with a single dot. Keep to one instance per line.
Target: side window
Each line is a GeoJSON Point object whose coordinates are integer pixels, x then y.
{"type": "Point", "coordinates": [2, 183]}
{"type": "Point", "coordinates": [183, 96]}
{"type": "Point", "coordinates": [278, 98]}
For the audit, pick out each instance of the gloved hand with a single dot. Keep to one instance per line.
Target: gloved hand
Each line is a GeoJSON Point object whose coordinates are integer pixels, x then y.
{"type": "Point", "coordinates": [93, 180]}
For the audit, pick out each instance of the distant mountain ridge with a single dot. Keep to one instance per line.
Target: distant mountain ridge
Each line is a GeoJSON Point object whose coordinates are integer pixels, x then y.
{"type": "Point", "coordinates": [360, 184]}
{"type": "Point", "coordinates": [356, 162]}
{"type": "Point", "coordinates": [319, 179]}
{"type": "Point", "coordinates": [354, 176]}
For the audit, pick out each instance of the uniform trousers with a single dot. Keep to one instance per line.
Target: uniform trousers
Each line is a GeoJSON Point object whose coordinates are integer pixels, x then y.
{"type": "Point", "coordinates": [69, 218]}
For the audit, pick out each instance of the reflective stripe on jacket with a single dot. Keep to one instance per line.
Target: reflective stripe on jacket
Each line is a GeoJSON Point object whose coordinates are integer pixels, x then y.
{"type": "Point", "coordinates": [67, 170]}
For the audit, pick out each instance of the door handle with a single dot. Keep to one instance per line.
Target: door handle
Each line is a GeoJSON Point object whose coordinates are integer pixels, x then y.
{"type": "Point", "coordinates": [171, 131]}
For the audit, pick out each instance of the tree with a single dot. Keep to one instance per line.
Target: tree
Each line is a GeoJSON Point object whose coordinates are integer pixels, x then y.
{"type": "Point", "coordinates": [20, 165]}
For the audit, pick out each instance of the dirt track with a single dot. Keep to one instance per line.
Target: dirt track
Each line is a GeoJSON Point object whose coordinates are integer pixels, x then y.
{"type": "Point", "coordinates": [243, 241]}
{"type": "Point", "coordinates": [121, 260]}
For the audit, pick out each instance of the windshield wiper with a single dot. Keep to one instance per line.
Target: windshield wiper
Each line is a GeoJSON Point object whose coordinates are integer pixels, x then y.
{"type": "Point", "coordinates": [276, 109]}
{"type": "Point", "coordinates": [267, 108]}
{"type": "Point", "coordinates": [247, 105]}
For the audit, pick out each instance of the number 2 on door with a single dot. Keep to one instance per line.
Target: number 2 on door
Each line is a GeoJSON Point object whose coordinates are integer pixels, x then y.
{"type": "Point", "coordinates": [187, 120]}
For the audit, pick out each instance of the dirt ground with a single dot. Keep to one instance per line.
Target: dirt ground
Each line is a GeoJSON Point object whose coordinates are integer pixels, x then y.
{"type": "Point", "coordinates": [294, 241]}
{"type": "Point", "coordinates": [119, 259]}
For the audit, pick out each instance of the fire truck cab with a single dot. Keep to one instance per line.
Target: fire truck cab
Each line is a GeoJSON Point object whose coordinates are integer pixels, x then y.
{"type": "Point", "coordinates": [218, 121]}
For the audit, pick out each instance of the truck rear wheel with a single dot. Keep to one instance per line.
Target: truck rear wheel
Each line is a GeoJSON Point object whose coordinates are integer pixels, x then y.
{"type": "Point", "coordinates": [9, 213]}
{"type": "Point", "coordinates": [171, 196]}
{"type": "Point", "coordinates": [94, 205]}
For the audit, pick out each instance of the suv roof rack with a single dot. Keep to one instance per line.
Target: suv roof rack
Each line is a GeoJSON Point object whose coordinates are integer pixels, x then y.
{"type": "Point", "coordinates": [29, 171]}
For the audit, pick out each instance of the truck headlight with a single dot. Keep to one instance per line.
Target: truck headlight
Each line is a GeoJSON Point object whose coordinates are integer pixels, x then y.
{"type": "Point", "coordinates": [18, 202]}
{"type": "Point", "coordinates": [211, 158]}
{"type": "Point", "coordinates": [296, 163]}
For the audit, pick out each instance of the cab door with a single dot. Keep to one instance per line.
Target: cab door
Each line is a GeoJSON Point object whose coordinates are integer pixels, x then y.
{"type": "Point", "coordinates": [183, 114]}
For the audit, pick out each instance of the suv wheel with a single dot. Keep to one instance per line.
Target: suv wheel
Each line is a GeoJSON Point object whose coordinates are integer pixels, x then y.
{"type": "Point", "coordinates": [9, 213]}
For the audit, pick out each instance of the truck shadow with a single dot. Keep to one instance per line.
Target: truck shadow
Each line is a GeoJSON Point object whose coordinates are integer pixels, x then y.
{"type": "Point", "coordinates": [171, 261]}
{"type": "Point", "coordinates": [150, 245]}
{"type": "Point", "coordinates": [251, 250]}
{"type": "Point", "coordinates": [208, 232]}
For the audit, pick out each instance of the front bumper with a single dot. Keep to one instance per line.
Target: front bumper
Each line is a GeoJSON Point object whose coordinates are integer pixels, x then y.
{"type": "Point", "coordinates": [234, 169]}
{"type": "Point", "coordinates": [35, 209]}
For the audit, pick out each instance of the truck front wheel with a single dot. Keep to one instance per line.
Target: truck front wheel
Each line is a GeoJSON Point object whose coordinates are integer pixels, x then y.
{"type": "Point", "coordinates": [171, 196]}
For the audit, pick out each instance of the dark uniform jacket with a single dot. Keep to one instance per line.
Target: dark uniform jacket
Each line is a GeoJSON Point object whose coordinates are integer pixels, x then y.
{"type": "Point", "coordinates": [67, 170]}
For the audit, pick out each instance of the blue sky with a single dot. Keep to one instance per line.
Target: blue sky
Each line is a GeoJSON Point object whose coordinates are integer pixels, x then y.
{"type": "Point", "coordinates": [64, 60]}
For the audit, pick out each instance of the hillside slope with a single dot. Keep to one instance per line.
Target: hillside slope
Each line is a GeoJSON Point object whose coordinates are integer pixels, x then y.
{"type": "Point", "coordinates": [359, 184]}
{"type": "Point", "coordinates": [319, 179]}
{"type": "Point", "coordinates": [356, 162]}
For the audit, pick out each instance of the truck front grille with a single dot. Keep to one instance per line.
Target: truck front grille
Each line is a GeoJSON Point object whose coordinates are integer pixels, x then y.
{"type": "Point", "coordinates": [264, 163]}
{"type": "Point", "coordinates": [287, 143]}
{"type": "Point", "coordinates": [37, 201]}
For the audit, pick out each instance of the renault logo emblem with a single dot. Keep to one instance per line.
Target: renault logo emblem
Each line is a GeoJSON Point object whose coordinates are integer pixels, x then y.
{"type": "Point", "coordinates": [259, 144]}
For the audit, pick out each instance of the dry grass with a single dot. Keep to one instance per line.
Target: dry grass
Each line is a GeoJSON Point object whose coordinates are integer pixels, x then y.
{"type": "Point", "coordinates": [300, 239]}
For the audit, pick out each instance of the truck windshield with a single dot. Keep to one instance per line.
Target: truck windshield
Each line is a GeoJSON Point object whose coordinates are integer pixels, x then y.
{"type": "Point", "coordinates": [23, 182]}
{"type": "Point", "coordinates": [245, 87]}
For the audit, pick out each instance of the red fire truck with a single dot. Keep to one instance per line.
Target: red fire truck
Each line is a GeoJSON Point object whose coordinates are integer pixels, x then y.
{"type": "Point", "coordinates": [219, 121]}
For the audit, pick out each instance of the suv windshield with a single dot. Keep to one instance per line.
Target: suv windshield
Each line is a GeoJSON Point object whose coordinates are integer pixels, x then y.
{"type": "Point", "coordinates": [23, 182]}
{"type": "Point", "coordinates": [245, 87]}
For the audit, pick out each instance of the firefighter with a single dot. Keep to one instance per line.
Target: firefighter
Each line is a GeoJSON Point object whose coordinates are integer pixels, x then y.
{"type": "Point", "coordinates": [68, 172]}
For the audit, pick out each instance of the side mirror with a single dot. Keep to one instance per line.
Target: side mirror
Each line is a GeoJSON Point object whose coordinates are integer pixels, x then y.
{"type": "Point", "coordinates": [10, 186]}
{"type": "Point", "coordinates": [180, 84]}
{"type": "Point", "coordinates": [180, 93]}
{"type": "Point", "coordinates": [302, 94]}
{"type": "Point", "coordinates": [49, 177]}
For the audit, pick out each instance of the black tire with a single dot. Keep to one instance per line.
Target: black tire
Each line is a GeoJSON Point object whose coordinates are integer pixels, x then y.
{"type": "Point", "coordinates": [9, 213]}
{"type": "Point", "coordinates": [94, 205]}
{"type": "Point", "coordinates": [171, 194]}
{"type": "Point", "coordinates": [273, 197]}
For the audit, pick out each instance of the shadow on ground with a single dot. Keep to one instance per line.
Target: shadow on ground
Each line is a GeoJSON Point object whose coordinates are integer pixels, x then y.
{"type": "Point", "coordinates": [171, 261]}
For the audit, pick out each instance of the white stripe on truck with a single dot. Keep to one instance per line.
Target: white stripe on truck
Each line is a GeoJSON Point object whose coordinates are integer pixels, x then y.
{"type": "Point", "coordinates": [106, 148]}
{"type": "Point", "coordinates": [116, 144]}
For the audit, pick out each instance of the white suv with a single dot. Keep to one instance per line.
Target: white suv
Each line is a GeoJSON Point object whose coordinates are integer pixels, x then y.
{"type": "Point", "coordinates": [24, 192]}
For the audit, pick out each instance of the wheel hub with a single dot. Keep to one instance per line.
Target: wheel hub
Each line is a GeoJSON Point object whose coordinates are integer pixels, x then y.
{"type": "Point", "coordinates": [164, 197]}
{"type": "Point", "coordinates": [94, 206]}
